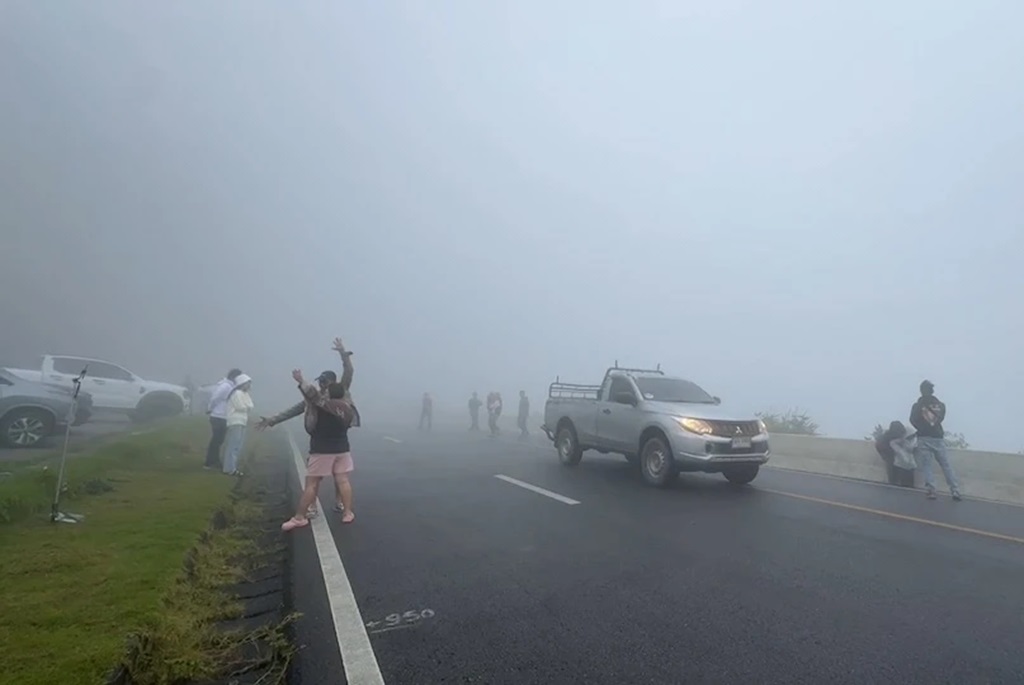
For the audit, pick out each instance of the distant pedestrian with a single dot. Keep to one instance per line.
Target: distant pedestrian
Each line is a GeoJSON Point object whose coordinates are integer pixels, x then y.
{"type": "Point", "coordinates": [494, 412]}
{"type": "Point", "coordinates": [927, 416]}
{"type": "Point", "coordinates": [524, 414]}
{"type": "Point", "coordinates": [327, 420]}
{"type": "Point", "coordinates": [474, 412]}
{"type": "Point", "coordinates": [427, 412]}
{"type": "Point", "coordinates": [239, 405]}
{"type": "Point", "coordinates": [217, 411]}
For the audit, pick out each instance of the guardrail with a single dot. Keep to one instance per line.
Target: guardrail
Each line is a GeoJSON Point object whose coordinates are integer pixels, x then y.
{"type": "Point", "coordinates": [987, 475]}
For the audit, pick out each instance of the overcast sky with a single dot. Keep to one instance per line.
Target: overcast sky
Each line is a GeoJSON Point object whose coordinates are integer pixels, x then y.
{"type": "Point", "coordinates": [807, 204]}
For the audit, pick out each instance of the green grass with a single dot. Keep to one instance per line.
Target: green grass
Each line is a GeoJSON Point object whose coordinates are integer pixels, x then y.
{"type": "Point", "coordinates": [73, 593]}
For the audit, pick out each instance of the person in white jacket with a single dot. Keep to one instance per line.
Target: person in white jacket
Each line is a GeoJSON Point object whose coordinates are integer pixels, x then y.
{"type": "Point", "coordinates": [239, 405]}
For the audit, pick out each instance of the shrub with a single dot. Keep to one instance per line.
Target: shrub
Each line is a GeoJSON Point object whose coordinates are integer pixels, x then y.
{"type": "Point", "coordinates": [792, 422]}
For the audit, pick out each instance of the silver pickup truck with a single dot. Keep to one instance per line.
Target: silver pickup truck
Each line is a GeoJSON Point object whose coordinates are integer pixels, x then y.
{"type": "Point", "coordinates": [662, 424]}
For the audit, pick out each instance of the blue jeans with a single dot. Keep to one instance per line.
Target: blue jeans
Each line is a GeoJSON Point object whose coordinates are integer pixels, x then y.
{"type": "Point", "coordinates": [926, 450]}
{"type": "Point", "coordinates": [233, 447]}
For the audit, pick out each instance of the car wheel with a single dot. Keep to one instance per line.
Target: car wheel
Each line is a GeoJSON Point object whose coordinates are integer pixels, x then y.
{"type": "Point", "coordinates": [25, 427]}
{"type": "Point", "coordinates": [741, 474]}
{"type": "Point", "coordinates": [568, 446]}
{"type": "Point", "coordinates": [657, 464]}
{"type": "Point", "coordinates": [157, 407]}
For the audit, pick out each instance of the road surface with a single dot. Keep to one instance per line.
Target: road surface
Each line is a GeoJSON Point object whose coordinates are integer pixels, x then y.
{"type": "Point", "coordinates": [484, 561]}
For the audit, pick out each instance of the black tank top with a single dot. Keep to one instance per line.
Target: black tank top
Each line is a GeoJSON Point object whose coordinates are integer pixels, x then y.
{"type": "Point", "coordinates": [330, 435]}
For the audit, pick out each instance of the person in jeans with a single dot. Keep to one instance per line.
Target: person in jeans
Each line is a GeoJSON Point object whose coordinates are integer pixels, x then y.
{"type": "Point", "coordinates": [327, 420]}
{"type": "Point", "coordinates": [927, 416]}
{"type": "Point", "coordinates": [237, 418]}
{"type": "Point", "coordinates": [217, 411]}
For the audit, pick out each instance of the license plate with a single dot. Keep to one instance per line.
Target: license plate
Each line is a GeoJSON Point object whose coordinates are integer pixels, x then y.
{"type": "Point", "coordinates": [741, 443]}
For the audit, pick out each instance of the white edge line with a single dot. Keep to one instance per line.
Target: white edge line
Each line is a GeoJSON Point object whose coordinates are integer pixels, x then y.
{"type": "Point", "coordinates": [540, 491]}
{"type": "Point", "coordinates": [394, 440]}
{"type": "Point", "coordinates": [357, 657]}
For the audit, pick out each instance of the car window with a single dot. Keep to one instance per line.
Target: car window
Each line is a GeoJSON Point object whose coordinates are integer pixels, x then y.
{"type": "Point", "coordinates": [619, 384]}
{"type": "Point", "coordinates": [673, 390]}
{"type": "Point", "coordinates": [69, 365]}
{"type": "Point", "coordinates": [109, 371]}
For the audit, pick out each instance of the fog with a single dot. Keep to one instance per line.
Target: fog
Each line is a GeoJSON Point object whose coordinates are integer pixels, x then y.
{"type": "Point", "coordinates": [803, 204]}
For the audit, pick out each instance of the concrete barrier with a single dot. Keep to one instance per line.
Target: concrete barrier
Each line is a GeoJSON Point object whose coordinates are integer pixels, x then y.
{"type": "Point", "coordinates": [986, 475]}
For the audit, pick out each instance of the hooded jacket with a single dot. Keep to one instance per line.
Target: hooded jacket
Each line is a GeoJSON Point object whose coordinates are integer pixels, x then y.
{"type": "Point", "coordinates": [927, 416]}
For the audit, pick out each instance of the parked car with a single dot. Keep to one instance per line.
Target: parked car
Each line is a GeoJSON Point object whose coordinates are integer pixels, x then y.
{"type": "Point", "coordinates": [113, 388]}
{"type": "Point", "coordinates": [661, 424]}
{"type": "Point", "coordinates": [30, 412]}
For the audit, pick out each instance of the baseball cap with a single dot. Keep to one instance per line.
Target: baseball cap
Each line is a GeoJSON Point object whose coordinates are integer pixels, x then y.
{"type": "Point", "coordinates": [327, 377]}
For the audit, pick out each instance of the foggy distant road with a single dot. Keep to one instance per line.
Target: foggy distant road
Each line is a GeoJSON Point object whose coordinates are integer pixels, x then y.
{"type": "Point", "coordinates": [701, 583]}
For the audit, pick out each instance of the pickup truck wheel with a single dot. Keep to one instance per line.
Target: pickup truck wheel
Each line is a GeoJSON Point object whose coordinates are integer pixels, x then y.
{"type": "Point", "coordinates": [25, 427]}
{"type": "Point", "coordinates": [741, 474]}
{"type": "Point", "coordinates": [657, 464]}
{"type": "Point", "coordinates": [157, 406]}
{"type": "Point", "coordinates": [568, 446]}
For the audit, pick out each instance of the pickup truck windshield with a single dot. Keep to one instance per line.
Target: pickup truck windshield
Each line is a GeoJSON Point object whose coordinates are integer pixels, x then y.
{"type": "Point", "coordinates": [673, 390]}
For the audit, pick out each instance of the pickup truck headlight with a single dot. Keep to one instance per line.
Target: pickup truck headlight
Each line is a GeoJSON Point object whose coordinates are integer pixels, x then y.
{"type": "Point", "coordinates": [762, 426]}
{"type": "Point", "coordinates": [698, 426]}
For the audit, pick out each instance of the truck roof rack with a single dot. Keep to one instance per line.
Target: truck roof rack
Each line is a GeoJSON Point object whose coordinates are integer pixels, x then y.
{"type": "Point", "coordinates": [657, 370]}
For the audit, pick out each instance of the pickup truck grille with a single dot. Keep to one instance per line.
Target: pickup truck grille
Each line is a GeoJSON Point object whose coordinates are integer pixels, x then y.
{"type": "Point", "coordinates": [735, 429]}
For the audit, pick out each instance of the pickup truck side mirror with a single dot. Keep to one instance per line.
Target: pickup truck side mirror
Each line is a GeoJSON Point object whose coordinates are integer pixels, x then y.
{"type": "Point", "coordinates": [625, 398]}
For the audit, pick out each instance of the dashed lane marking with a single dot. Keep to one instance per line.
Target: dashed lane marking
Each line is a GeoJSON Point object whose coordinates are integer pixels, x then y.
{"type": "Point", "coordinates": [539, 490]}
{"type": "Point", "coordinates": [394, 440]}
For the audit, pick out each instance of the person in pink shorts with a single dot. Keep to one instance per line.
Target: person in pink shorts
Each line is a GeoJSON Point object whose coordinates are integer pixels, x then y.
{"type": "Point", "coordinates": [328, 417]}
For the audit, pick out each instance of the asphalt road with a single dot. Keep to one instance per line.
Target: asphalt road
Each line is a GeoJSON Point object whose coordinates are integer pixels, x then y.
{"type": "Point", "coordinates": [463, 577]}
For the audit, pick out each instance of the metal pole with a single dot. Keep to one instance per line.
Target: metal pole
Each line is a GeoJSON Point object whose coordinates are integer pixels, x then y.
{"type": "Point", "coordinates": [56, 516]}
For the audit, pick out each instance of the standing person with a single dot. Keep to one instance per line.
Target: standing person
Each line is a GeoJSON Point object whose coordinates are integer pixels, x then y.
{"type": "Point", "coordinates": [427, 412]}
{"type": "Point", "coordinates": [493, 412]}
{"type": "Point", "coordinates": [217, 409]}
{"type": "Point", "coordinates": [324, 382]}
{"type": "Point", "coordinates": [927, 416]}
{"type": "Point", "coordinates": [524, 414]}
{"type": "Point", "coordinates": [474, 412]}
{"type": "Point", "coordinates": [239, 405]}
{"type": "Point", "coordinates": [327, 420]}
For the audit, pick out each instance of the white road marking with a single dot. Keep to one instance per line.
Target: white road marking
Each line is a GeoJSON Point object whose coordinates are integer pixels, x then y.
{"type": "Point", "coordinates": [388, 630]}
{"type": "Point", "coordinates": [540, 491]}
{"type": "Point", "coordinates": [357, 657]}
{"type": "Point", "coordinates": [394, 440]}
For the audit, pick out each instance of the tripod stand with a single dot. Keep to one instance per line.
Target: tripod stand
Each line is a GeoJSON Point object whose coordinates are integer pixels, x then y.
{"type": "Point", "coordinates": [56, 515]}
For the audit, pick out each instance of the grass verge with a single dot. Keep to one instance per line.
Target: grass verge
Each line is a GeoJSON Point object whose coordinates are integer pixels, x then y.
{"type": "Point", "coordinates": [73, 592]}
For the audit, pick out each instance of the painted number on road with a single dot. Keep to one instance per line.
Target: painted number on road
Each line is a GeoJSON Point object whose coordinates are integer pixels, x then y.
{"type": "Point", "coordinates": [406, 619]}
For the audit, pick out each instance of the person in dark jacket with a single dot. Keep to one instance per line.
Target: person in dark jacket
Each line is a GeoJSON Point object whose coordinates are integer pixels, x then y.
{"type": "Point", "coordinates": [894, 446]}
{"type": "Point", "coordinates": [927, 416]}
{"type": "Point", "coordinates": [474, 412]}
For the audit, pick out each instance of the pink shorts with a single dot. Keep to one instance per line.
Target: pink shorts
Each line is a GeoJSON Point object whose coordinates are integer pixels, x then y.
{"type": "Point", "coordinates": [325, 465]}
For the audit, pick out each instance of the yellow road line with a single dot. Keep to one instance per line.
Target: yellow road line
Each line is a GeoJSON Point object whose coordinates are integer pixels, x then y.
{"type": "Point", "coordinates": [901, 517]}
